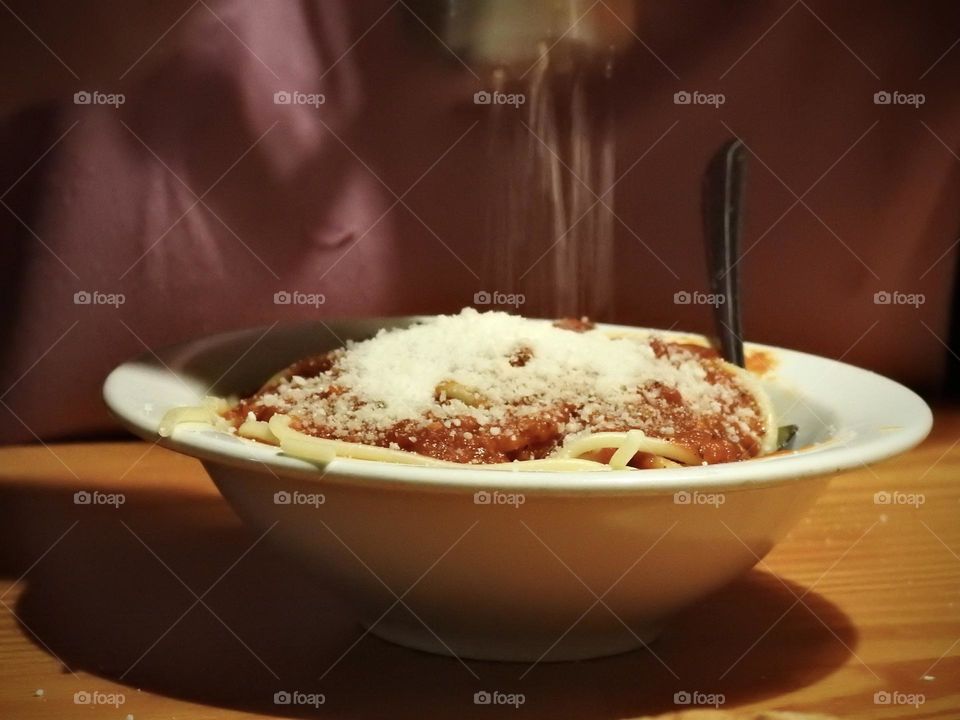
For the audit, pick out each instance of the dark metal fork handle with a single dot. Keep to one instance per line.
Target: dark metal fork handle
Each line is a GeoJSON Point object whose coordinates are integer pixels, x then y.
{"type": "Point", "coordinates": [722, 215]}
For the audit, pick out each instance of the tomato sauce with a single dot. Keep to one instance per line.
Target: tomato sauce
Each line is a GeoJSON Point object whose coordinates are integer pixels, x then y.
{"type": "Point", "coordinates": [526, 436]}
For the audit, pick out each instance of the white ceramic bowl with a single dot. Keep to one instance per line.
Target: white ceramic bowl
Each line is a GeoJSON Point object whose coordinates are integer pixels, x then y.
{"type": "Point", "coordinates": [553, 566]}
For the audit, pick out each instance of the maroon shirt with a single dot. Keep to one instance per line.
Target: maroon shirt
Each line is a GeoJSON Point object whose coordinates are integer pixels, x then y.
{"type": "Point", "coordinates": [300, 197]}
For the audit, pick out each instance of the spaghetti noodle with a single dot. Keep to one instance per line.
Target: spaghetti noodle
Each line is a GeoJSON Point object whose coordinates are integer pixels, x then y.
{"type": "Point", "coordinates": [493, 390]}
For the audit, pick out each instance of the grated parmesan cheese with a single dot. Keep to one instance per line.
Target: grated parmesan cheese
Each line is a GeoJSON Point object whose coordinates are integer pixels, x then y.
{"type": "Point", "coordinates": [401, 376]}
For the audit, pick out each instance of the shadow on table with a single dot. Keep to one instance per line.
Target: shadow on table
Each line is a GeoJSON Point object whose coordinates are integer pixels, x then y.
{"type": "Point", "coordinates": [102, 602]}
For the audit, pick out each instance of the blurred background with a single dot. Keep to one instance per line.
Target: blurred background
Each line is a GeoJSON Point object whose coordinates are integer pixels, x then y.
{"type": "Point", "coordinates": [177, 169]}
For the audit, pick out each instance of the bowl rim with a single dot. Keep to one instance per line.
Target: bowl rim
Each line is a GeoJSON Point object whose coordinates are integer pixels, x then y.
{"type": "Point", "coordinates": [853, 447]}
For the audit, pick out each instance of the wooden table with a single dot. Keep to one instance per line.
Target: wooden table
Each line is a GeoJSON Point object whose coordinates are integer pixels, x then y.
{"type": "Point", "coordinates": [169, 604]}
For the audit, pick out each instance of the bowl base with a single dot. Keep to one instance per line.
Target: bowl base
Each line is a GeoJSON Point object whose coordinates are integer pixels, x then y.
{"type": "Point", "coordinates": [512, 649]}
